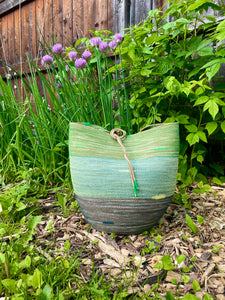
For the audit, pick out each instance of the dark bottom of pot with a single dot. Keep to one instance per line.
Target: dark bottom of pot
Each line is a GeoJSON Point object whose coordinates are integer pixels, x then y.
{"type": "Point", "coordinates": [125, 216]}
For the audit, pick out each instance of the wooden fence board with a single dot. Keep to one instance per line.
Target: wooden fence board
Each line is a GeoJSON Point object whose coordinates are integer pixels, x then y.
{"type": "Point", "coordinates": [67, 23]}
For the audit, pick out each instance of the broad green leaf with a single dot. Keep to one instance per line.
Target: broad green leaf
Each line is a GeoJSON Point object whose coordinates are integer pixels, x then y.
{"type": "Point", "coordinates": [180, 258]}
{"type": "Point", "coordinates": [201, 100]}
{"type": "Point", "coordinates": [192, 138]}
{"type": "Point", "coordinates": [37, 279]}
{"type": "Point", "coordinates": [191, 224]}
{"type": "Point", "coordinates": [200, 219]}
{"type": "Point", "coordinates": [145, 72]}
{"type": "Point", "coordinates": [206, 51]}
{"type": "Point", "coordinates": [212, 71]}
{"type": "Point", "coordinates": [10, 284]}
{"type": "Point", "coordinates": [2, 258]}
{"type": "Point", "coordinates": [25, 264]}
{"type": "Point", "coordinates": [46, 293]}
{"type": "Point", "coordinates": [222, 125]}
{"type": "Point", "coordinates": [202, 136]}
{"type": "Point", "coordinates": [190, 297]}
{"type": "Point", "coordinates": [182, 119]}
{"type": "Point", "coordinates": [211, 127]}
{"type": "Point", "coordinates": [213, 62]}
{"type": "Point", "coordinates": [33, 222]}
{"type": "Point", "coordinates": [170, 296]}
{"type": "Point", "coordinates": [212, 107]}
{"type": "Point", "coordinates": [196, 286]}
{"type": "Point", "coordinates": [191, 128]}
{"type": "Point", "coordinates": [196, 5]}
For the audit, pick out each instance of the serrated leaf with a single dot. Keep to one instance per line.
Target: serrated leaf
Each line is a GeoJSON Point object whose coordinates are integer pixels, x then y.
{"type": "Point", "coordinates": [201, 100]}
{"type": "Point", "coordinates": [191, 128]}
{"type": "Point", "coordinates": [192, 138]}
{"type": "Point", "coordinates": [196, 4]}
{"type": "Point", "coordinates": [211, 127]}
{"type": "Point", "coordinates": [202, 136]}
{"type": "Point", "coordinates": [206, 51]}
{"type": "Point", "coordinates": [33, 222]}
{"type": "Point", "coordinates": [212, 107]}
{"type": "Point", "coordinates": [212, 71]}
{"type": "Point", "coordinates": [222, 125]}
{"type": "Point", "coordinates": [191, 224]}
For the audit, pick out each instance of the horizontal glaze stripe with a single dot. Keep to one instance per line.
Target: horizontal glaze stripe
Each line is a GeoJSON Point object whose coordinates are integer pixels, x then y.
{"type": "Point", "coordinates": [110, 178]}
{"type": "Point", "coordinates": [161, 140]}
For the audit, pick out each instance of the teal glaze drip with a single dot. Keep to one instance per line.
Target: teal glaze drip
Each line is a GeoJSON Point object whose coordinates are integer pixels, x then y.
{"type": "Point", "coordinates": [160, 148]}
{"type": "Point", "coordinates": [87, 123]}
{"type": "Point", "coordinates": [135, 188]}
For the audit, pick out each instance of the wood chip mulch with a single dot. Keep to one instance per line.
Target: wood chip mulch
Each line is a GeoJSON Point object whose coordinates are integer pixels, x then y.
{"type": "Point", "coordinates": [121, 258]}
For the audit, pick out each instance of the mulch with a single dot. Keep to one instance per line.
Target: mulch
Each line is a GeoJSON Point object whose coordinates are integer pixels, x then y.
{"type": "Point", "coordinates": [125, 258]}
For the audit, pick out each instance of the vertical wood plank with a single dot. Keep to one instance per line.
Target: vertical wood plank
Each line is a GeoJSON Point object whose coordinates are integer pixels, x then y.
{"type": "Point", "coordinates": [89, 12]}
{"type": "Point", "coordinates": [11, 38]}
{"type": "Point", "coordinates": [101, 14]}
{"type": "Point", "coordinates": [58, 21]}
{"type": "Point", "coordinates": [110, 15]}
{"type": "Point", "coordinates": [1, 45]}
{"type": "Point", "coordinates": [67, 22]}
{"type": "Point", "coordinates": [119, 15]}
{"type": "Point", "coordinates": [4, 39]}
{"type": "Point", "coordinates": [25, 38]}
{"type": "Point", "coordinates": [78, 20]}
{"type": "Point", "coordinates": [17, 37]}
{"type": "Point", "coordinates": [39, 23]}
{"type": "Point", "coordinates": [48, 18]}
{"type": "Point", "coordinates": [32, 31]}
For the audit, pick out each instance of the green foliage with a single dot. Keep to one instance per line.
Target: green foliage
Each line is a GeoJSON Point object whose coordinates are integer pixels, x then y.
{"type": "Point", "coordinates": [173, 72]}
{"type": "Point", "coordinates": [191, 224]}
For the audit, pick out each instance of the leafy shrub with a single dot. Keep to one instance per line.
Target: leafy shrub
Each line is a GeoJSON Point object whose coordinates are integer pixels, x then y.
{"type": "Point", "coordinates": [174, 58]}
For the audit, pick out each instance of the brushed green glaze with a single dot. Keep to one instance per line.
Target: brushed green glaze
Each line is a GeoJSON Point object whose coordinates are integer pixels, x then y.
{"type": "Point", "coordinates": [108, 178]}
{"type": "Point", "coordinates": [161, 140]}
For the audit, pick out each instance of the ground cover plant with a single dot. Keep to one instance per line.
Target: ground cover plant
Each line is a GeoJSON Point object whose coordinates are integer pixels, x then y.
{"type": "Point", "coordinates": [159, 71]}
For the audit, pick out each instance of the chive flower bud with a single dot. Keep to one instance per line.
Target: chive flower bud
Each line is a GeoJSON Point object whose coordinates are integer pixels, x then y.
{"type": "Point", "coordinates": [80, 63]}
{"type": "Point", "coordinates": [86, 54]}
{"type": "Point", "coordinates": [73, 55]}
{"type": "Point", "coordinates": [46, 60]}
{"type": "Point", "coordinates": [57, 48]}
{"type": "Point", "coordinates": [95, 41]}
{"type": "Point", "coordinates": [103, 46]}
{"type": "Point", "coordinates": [118, 38]}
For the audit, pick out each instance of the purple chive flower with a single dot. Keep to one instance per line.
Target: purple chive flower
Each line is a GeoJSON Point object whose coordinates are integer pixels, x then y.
{"type": "Point", "coordinates": [9, 76]}
{"type": "Point", "coordinates": [113, 45]}
{"type": "Point", "coordinates": [59, 85]}
{"type": "Point", "coordinates": [95, 41]}
{"type": "Point", "coordinates": [37, 142]}
{"type": "Point", "coordinates": [57, 48]}
{"type": "Point", "coordinates": [80, 63]}
{"type": "Point", "coordinates": [47, 60]}
{"type": "Point", "coordinates": [118, 38]}
{"type": "Point", "coordinates": [73, 55]}
{"type": "Point", "coordinates": [86, 54]}
{"type": "Point", "coordinates": [103, 46]}
{"type": "Point", "coordinates": [67, 68]}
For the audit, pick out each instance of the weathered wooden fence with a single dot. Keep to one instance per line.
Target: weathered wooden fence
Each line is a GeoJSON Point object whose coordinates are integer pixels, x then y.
{"type": "Point", "coordinates": [25, 23]}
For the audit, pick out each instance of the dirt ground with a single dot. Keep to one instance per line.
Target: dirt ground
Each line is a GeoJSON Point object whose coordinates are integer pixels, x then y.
{"type": "Point", "coordinates": [126, 258]}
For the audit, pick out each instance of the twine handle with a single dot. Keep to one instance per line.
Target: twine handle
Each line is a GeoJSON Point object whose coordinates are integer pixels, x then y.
{"type": "Point", "coordinates": [118, 134]}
